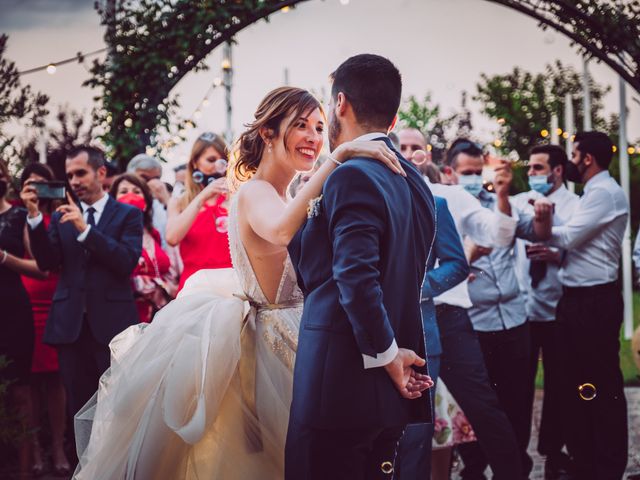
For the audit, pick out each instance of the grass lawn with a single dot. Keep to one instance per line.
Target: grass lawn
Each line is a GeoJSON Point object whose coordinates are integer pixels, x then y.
{"type": "Point", "coordinates": [629, 370]}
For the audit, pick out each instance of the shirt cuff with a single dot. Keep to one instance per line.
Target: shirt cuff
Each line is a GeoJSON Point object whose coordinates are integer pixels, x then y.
{"type": "Point", "coordinates": [381, 359]}
{"type": "Point", "coordinates": [35, 221]}
{"type": "Point", "coordinates": [82, 237]}
{"type": "Point", "coordinates": [506, 228]}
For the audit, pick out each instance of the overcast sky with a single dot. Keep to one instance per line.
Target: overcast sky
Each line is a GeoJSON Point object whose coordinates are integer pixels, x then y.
{"type": "Point", "coordinates": [440, 46]}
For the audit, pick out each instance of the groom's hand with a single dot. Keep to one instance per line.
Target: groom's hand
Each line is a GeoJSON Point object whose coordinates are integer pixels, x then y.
{"type": "Point", "coordinates": [409, 383]}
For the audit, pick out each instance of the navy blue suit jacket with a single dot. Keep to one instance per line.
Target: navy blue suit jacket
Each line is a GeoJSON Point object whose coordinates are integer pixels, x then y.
{"type": "Point", "coordinates": [94, 275]}
{"type": "Point", "coordinates": [360, 263]}
{"type": "Point", "coordinates": [452, 269]}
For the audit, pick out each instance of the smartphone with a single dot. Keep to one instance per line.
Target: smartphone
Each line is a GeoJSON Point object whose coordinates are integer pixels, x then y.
{"type": "Point", "coordinates": [50, 190]}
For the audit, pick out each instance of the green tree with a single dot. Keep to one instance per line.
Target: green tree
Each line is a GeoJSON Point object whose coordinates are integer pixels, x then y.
{"type": "Point", "coordinates": [523, 102]}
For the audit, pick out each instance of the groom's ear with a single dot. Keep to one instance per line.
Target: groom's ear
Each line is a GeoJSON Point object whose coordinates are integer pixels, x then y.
{"type": "Point", "coordinates": [341, 104]}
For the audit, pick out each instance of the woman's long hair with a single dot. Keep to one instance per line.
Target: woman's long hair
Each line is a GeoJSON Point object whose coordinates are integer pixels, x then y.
{"type": "Point", "coordinates": [204, 141]}
{"type": "Point", "coordinates": [277, 105]}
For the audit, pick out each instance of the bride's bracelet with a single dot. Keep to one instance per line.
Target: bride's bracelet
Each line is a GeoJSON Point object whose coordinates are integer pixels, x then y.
{"type": "Point", "coordinates": [329, 157]}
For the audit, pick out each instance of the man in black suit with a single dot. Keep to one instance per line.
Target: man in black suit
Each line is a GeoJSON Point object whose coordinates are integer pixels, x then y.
{"type": "Point", "coordinates": [360, 368]}
{"type": "Point", "coordinates": [95, 246]}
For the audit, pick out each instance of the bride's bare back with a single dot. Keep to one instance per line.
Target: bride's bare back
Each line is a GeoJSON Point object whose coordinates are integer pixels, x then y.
{"type": "Point", "coordinates": [267, 259]}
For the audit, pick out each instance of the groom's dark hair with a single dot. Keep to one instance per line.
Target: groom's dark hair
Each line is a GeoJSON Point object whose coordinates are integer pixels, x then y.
{"type": "Point", "coordinates": [373, 87]}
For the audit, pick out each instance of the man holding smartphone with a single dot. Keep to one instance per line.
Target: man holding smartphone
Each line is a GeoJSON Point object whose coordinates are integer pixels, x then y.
{"type": "Point", "coordinates": [537, 266]}
{"type": "Point", "coordinates": [96, 245]}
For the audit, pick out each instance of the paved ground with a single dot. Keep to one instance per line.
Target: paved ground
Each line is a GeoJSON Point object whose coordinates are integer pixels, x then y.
{"type": "Point", "coordinates": [633, 398]}
{"type": "Point", "coordinates": [633, 467]}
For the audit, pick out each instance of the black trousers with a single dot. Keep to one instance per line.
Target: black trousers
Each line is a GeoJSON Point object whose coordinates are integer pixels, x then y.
{"type": "Point", "coordinates": [462, 368]}
{"type": "Point", "coordinates": [359, 454]}
{"type": "Point", "coordinates": [545, 341]}
{"type": "Point", "coordinates": [506, 355]}
{"type": "Point", "coordinates": [82, 363]}
{"type": "Point", "coordinates": [589, 319]}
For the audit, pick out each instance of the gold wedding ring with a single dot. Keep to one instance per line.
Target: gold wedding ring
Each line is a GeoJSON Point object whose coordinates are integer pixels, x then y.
{"type": "Point", "coordinates": [587, 391]}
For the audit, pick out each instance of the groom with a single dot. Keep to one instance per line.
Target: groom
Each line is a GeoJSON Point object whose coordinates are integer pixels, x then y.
{"type": "Point", "coordinates": [360, 260]}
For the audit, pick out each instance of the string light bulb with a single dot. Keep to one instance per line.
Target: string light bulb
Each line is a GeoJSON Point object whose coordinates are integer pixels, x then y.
{"type": "Point", "coordinates": [217, 81]}
{"type": "Point", "coordinates": [206, 103]}
{"type": "Point", "coordinates": [544, 133]}
{"type": "Point", "coordinates": [128, 122]}
{"type": "Point", "coordinates": [51, 69]}
{"type": "Point", "coordinates": [285, 9]}
{"type": "Point", "coordinates": [226, 64]}
{"type": "Point", "coordinates": [631, 150]}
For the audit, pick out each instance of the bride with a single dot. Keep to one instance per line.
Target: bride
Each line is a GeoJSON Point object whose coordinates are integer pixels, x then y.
{"type": "Point", "coordinates": [204, 391]}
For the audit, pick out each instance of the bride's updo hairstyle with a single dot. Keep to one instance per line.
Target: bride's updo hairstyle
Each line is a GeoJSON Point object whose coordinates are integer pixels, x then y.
{"type": "Point", "coordinates": [274, 108]}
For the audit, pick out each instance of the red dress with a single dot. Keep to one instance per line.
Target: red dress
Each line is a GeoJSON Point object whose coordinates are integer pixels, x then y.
{"type": "Point", "coordinates": [151, 268]}
{"type": "Point", "coordinates": [45, 357]}
{"type": "Point", "coordinates": [206, 244]}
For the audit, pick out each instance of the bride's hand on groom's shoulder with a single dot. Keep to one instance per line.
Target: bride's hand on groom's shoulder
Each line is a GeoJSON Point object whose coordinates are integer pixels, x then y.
{"type": "Point", "coordinates": [369, 149]}
{"type": "Point", "coordinates": [406, 379]}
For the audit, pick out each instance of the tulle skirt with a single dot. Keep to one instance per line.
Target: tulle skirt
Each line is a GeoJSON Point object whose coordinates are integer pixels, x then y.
{"type": "Point", "coordinates": [183, 400]}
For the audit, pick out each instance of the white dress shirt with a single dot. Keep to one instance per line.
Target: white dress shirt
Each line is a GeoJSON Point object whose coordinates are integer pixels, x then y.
{"type": "Point", "coordinates": [542, 300]}
{"type": "Point", "coordinates": [484, 226]}
{"type": "Point", "coordinates": [593, 235]}
{"type": "Point", "coordinates": [98, 206]}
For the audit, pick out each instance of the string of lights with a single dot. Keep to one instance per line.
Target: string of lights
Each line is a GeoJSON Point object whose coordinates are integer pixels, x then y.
{"type": "Point", "coordinates": [53, 66]}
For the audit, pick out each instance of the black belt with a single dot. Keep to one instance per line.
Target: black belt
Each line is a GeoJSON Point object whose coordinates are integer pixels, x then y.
{"type": "Point", "coordinates": [603, 287]}
{"type": "Point", "coordinates": [445, 307]}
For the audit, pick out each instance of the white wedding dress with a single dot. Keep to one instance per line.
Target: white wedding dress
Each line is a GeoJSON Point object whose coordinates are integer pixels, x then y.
{"type": "Point", "coordinates": [203, 392]}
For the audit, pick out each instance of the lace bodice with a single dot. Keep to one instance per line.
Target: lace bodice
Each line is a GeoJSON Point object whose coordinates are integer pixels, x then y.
{"type": "Point", "coordinates": [288, 290]}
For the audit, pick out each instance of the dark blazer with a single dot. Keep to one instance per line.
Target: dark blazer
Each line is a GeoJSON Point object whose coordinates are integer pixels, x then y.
{"type": "Point", "coordinates": [94, 274]}
{"type": "Point", "coordinates": [360, 263]}
{"type": "Point", "coordinates": [452, 269]}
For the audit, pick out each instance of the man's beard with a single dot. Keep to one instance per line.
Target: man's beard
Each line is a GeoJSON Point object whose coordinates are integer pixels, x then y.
{"type": "Point", "coordinates": [335, 129]}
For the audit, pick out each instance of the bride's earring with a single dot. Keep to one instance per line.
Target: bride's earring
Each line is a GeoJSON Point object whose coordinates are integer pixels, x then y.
{"type": "Point", "coordinates": [270, 147]}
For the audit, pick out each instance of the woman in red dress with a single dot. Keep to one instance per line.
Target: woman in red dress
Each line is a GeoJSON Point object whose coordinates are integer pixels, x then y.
{"type": "Point", "coordinates": [150, 278]}
{"type": "Point", "coordinates": [198, 219]}
{"type": "Point", "coordinates": [45, 379]}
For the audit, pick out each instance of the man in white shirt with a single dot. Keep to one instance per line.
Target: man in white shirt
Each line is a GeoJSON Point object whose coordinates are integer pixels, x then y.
{"type": "Point", "coordinates": [537, 267]}
{"type": "Point", "coordinates": [590, 313]}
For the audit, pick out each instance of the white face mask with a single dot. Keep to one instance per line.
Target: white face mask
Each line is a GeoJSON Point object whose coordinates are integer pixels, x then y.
{"type": "Point", "coordinates": [471, 183]}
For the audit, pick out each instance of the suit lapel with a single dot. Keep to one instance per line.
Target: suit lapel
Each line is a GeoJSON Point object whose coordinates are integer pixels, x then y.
{"type": "Point", "coordinates": [107, 215]}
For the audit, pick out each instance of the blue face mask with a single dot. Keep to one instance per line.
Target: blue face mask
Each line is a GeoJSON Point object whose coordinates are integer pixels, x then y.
{"type": "Point", "coordinates": [540, 184]}
{"type": "Point", "coordinates": [471, 183]}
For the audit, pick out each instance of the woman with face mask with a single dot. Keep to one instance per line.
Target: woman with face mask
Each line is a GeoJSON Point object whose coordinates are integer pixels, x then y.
{"type": "Point", "coordinates": [151, 281]}
{"type": "Point", "coordinates": [198, 219]}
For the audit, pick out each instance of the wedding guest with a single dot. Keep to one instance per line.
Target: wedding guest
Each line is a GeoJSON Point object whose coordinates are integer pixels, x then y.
{"type": "Point", "coordinates": [16, 325]}
{"type": "Point", "coordinates": [498, 312]}
{"type": "Point", "coordinates": [198, 220]}
{"type": "Point", "coordinates": [590, 313]}
{"type": "Point", "coordinates": [95, 245]}
{"type": "Point", "coordinates": [537, 267]}
{"type": "Point", "coordinates": [152, 284]}
{"type": "Point", "coordinates": [462, 365]}
{"type": "Point", "coordinates": [179, 184]}
{"type": "Point", "coordinates": [150, 170]}
{"type": "Point", "coordinates": [112, 172]}
{"type": "Point", "coordinates": [45, 376]}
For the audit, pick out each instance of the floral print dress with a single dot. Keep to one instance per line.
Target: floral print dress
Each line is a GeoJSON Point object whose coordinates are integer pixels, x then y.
{"type": "Point", "coordinates": [451, 426]}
